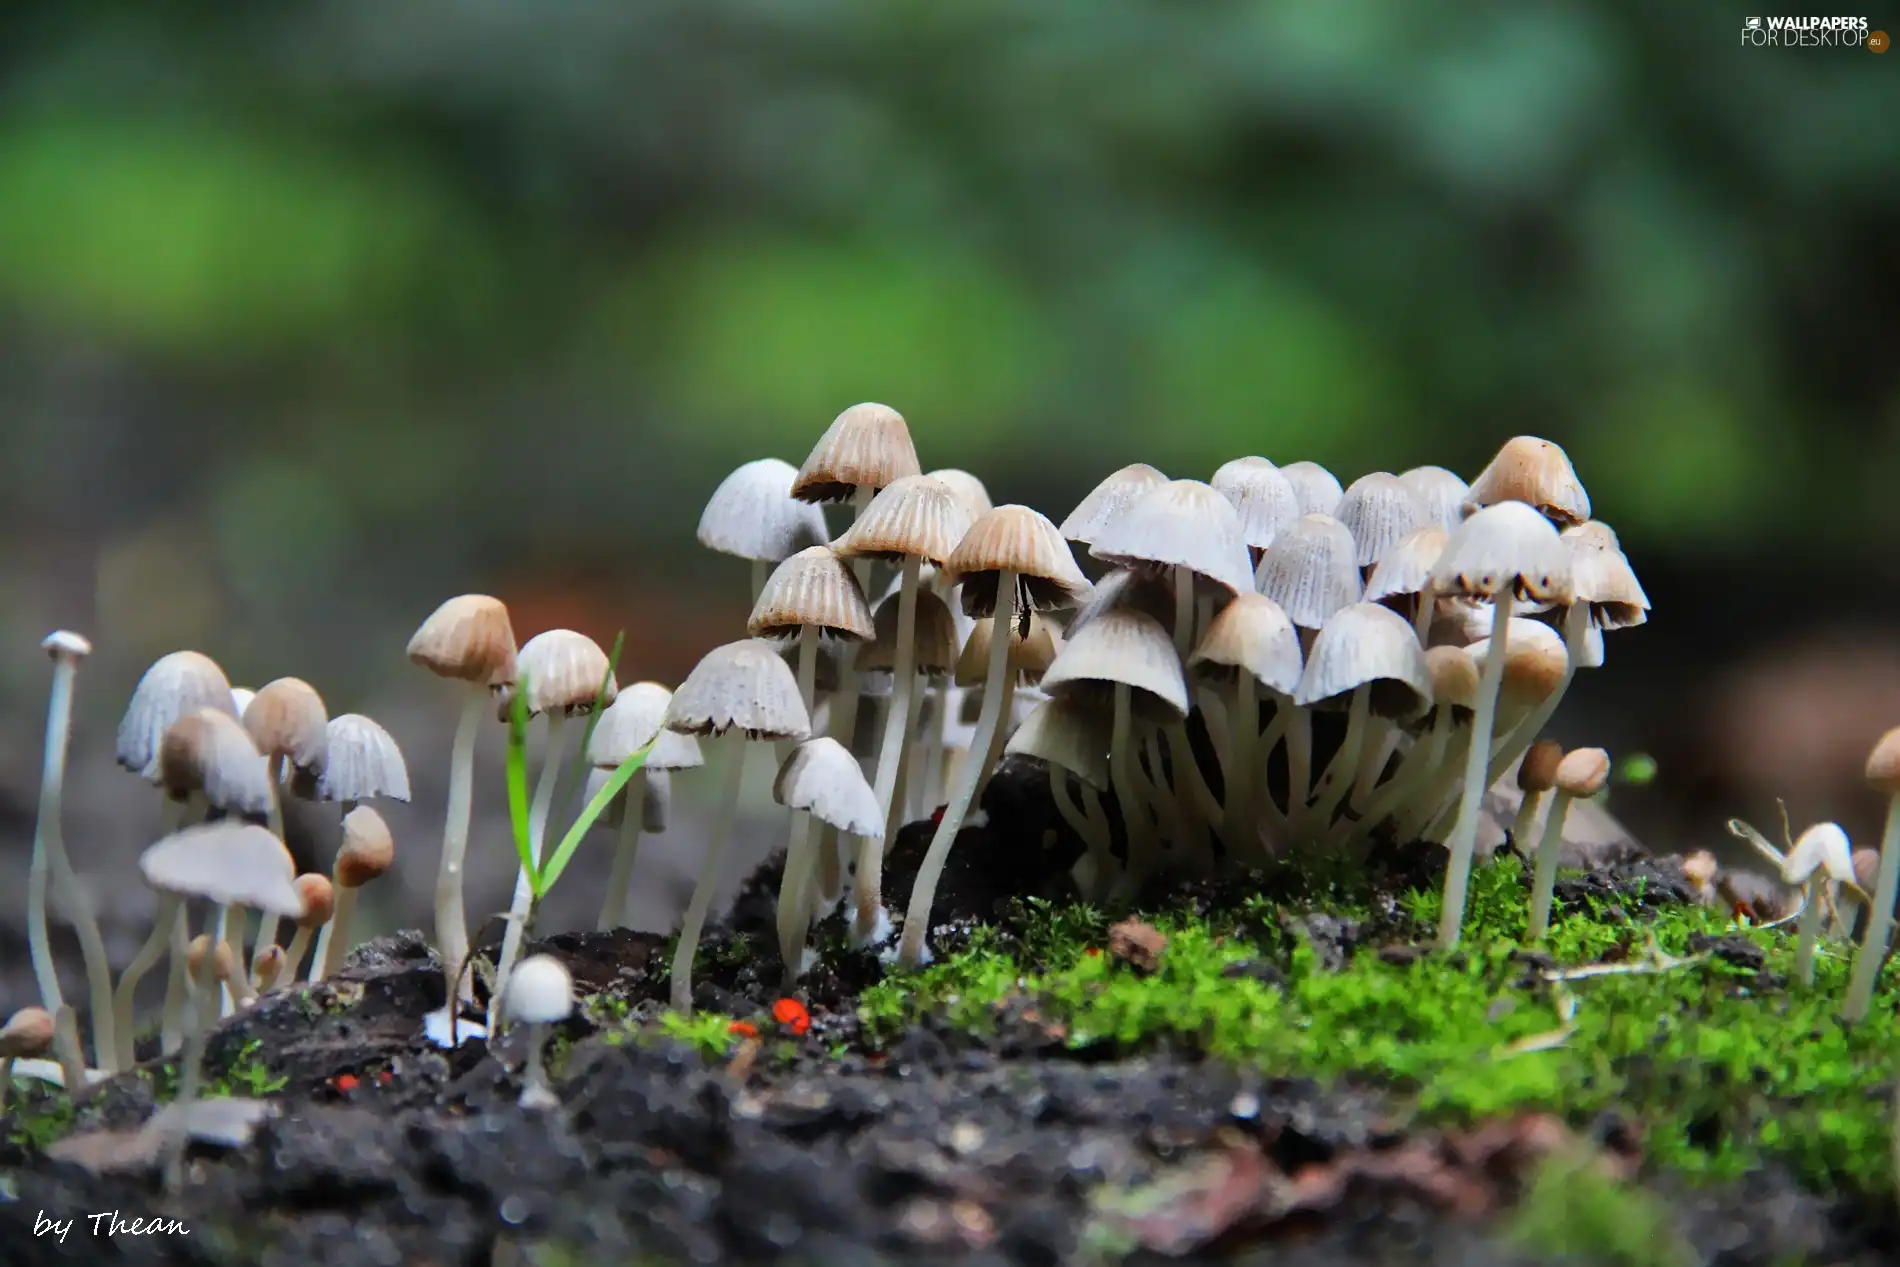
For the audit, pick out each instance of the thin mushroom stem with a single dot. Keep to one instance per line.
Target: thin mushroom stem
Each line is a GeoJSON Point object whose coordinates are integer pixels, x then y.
{"type": "Point", "coordinates": [733, 741]}
{"type": "Point", "coordinates": [190, 1075]}
{"type": "Point", "coordinates": [1261, 799]}
{"type": "Point", "coordinates": [1137, 828]}
{"type": "Point", "coordinates": [267, 923]}
{"type": "Point", "coordinates": [1087, 829]}
{"type": "Point", "coordinates": [1299, 765]}
{"type": "Point", "coordinates": [1464, 834]}
{"type": "Point", "coordinates": [451, 921]}
{"type": "Point", "coordinates": [794, 892]}
{"type": "Point", "coordinates": [1415, 769]}
{"type": "Point", "coordinates": [613, 910]}
{"type": "Point", "coordinates": [538, 813]}
{"type": "Point", "coordinates": [164, 918]}
{"type": "Point", "coordinates": [912, 949]}
{"type": "Point", "coordinates": [1188, 847]}
{"type": "Point", "coordinates": [1549, 845]}
{"type": "Point", "coordinates": [1873, 943]}
{"type": "Point", "coordinates": [1183, 611]}
{"type": "Point", "coordinates": [230, 931]}
{"type": "Point", "coordinates": [1808, 928]}
{"type": "Point", "coordinates": [1203, 617]}
{"type": "Point", "coordinates": [932, 781]}
{"type": "Point", "coordinates": [66, 1049]}
{"type": "Point", "coordinates": [844, 704]}
{"type": "Point", "coordinates": [868, 887]}
{"type": "Point", "coordinates": [1526, 817]}
{"type": "Point", "coordinates": [1422, 617]}
{"type": "Point", "coordinates": [1344, 767]}
{"type": "Point", "coordinates": [1200, 809]}
{"type": "Point", "coordinates": [1375, 755]}
{"type": "Point", "coordinates": [172, 1024]}
{"type": "Point", "coordinates": [1237, 781]}
{"type": "Point", "coordinates": [1524, 732]}
{"type": "Point", "coordinates": [761, 572]}
{"type": "Point", "coordinates": [293, 955]}
{"type": "Point", "coordinates": [334, 942]}
{"type": "Point", "coordinates": [1440, 790]}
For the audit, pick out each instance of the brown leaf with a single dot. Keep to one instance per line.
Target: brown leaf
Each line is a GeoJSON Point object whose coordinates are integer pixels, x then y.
{"type": "Point", "coordinates": [1137, 944]}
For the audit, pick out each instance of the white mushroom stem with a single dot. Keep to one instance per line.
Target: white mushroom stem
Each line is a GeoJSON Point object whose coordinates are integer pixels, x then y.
{"type": "Point", "coordinates": [1873, 942]}
{"type": "Point", "coordinates": [795, 891]}
{"type": "Point", "coordinates": [1261, 799]}
{"type": "Point", "coordinates": [844, 704]}
{"type": "Point", "coordinates": [164, 920]}
{"type": "Point", "coordinates": [868, 887]}
{"type": "Point", "coordinates": [1524, 733]}
{"type": "Point", "coordinates": [538, 813]}
{"type": "Point", "coordinates": [1526, 817]}
{"type": "Point", "coordinates": [1382, 739]}
{"type": "Point", "coordinates": [536, 1093]}
{"type": "Point", "coordinates": [1299, 764]}
{"type": "Point", "coordinates": [613, 910]}
{"type": "Point", "coordinates": [1422, 618]}
{"type": "Point", "coordinates": [174, 1021]}
{"type": "Point", "coordinates": [1414, 774]}
{"type": "Point", "coordinates": [1187, 845]}
{"type": "Point", "coordinates": [1549, 846]}
{"type": "Point", "coordinates": [1344, 767]}
{"type": "Point", "coordinates": [733, 741]}
{"type": "Point", "coordinates": [1238, 775]}
{"type": "Point", "coordinates": [931, 784]}
{"type": "Point", "coordinates": [72, 1058]}
{"type": "Point", "coordinates": [1200, 810]}
{"type": "Point", "coordinates": [1808, 928]}
{"type": "Point", "coordinates": [334, 942]}
{"type": "Point", "coordinates": [1144, 850]}
{"type": "Point", "coordinates": [230, 931]}
{"type": "Point", "coordinates": [190, 1076]}
{"type": "Point", "coordinates": [912, 949]}
{"type": "Point", "coordinates": [293, 955]}
{"type": "Point", "coordinates": [1183, 611]}
{"type": "Point", "coordinates": [761, 572]}
{"type": "Point", "coordinates": [267, 922]}
{"type": "Point", "coordinates": [1464, 834]}
{"type": "Point", "coordinates": [451, 923]}
{"type": "Point", "coordinates": [1089, 829]}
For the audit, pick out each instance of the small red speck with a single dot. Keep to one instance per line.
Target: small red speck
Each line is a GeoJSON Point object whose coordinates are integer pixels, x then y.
{"type": "Point", "coordinates": [1742, 909]}
{"type": "Point", "coordinates": [744, 1029]}
{"type": "Point", "coordinates": [346, 1082]}
{"type": "Point", "coordinates": [791, 1014]}
{"type": "Point", "coordinates": [384, 1078]}
{"type": "Point", "coordinates": [1093, 951]}
{"type": "Point", "coordinates": [936, 815]}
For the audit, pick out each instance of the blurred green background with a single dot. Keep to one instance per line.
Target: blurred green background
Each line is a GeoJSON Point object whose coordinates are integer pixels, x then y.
{"type": "Point", "coordinates": [312, 314]}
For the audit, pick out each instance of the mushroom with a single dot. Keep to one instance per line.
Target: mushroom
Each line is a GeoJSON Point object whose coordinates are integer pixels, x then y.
{"type": "Point", "coordinates": [1380, 510]}
{"type": "Point", "coordinates": [1883, 775]}
{"type": "Point", "coordinates": [1368, 658]}
{"type": "Point", "coordinates": [266, 967]}
{"type": "Point", "coordinates": [821, 780]}
{"type": "Point", "coordinates": [173, 686]}
{"type": "Point", "coordinates": [1536, 775]}
{"type": "Point", "coordinates": [241, 697]}
{"type": "Point", "coordinates": [1580, 775]}
{"type": "Point", "coordinates": [1071, 738]}
{"type": "Point", "coordinates": [468, 640]}
{"type": "Point", "coordinates": [368, 852]}
{"type": "Point", "coordinates": [1501, 553]}
{"type": "Point", "coordinates": [1537, 473]}
{"type": "Point", "coordinates": [740, 691]}
{"type": "Point", "coordinates": [1822, 856]}
{"type": "Point", "coordinates": [1402, 579]}
{"type": "Point", "coordinates": [1253, 643]}
{"type": "Point", "coordinates": [1409, 796]}
{"type": "Point", "coordinates": [51, 861]}
{"type": "Point", "coordinates": [1109, 500]}
{"type": "Point", "coordinates": [27, 1035]}
{"type": "Point", "coordinates": [1012, 560]}
{"type": "Point", "coordinates": [362, 762]}
{"type": "Point", "coordinates": [967, 489]}
{"type": "Point", "coordinates": [1189, 532]}
{"type": "Point", "coordinates": [1310, 571]}
{"type": "Point", "coordinates": [1316, 488]}
{"type": "Point", "coordinates": [540, 994]}
{"type": "Point", "coordinates": [319, 904]}
{"type": "Point", "coordinates": [289, 724]}
{"type": "Point", "coordinates": [1263, 497]}
{"type": "Point", "coordinates": [635, 720]}
{"type": "Point", "coordinates": [1441, 494]}
{"type": "Point", "coordinates": [753, 515]}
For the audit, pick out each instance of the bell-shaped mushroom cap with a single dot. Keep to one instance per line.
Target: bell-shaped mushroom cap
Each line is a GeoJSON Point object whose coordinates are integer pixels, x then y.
{"type": "Point", "coordinates": [1136, 590]}
{"type": "Point", "coordinates": [1536, 473]}
{"type": "Point", "coordinates": [1883, 764]}
{"type": "Point", "coordinates": [361, 762]}
{"type": "Point", "coordinates": [636, 718]}
{"type": "Point", "coordinates": [227, 863]}
{"type": "Point", "coordinates": [1121, 646]}
{"type": "Point", "coordinates": [1823, 847]}
{"type": "Point", "coordinates": [1254, 636]}
{"type": "Point", "coordinates": [1406, 568]}
{"type": "Point", "coordinates": [1365, 644]}
{"type": "Point", "coordinates": [1537, 772]}
{"type": "Point", "coordinates": [564, 670]}
{"type": "Point", "coordinates": [866, 446]}
{"type": "Point", "coordinates": [822, 778]}
{"type": "Point", "coordinates": [67, 645]}
{"type": "Point", "coordinates": [1109, 500]}
{"type": "Point", "coordinates": [1379, 510]}
{"type": "Point", "coordinates": [1583, 772]}
{"type": "Point", "coordinates": [1262, 496]}
{"type": "Point", "coordinates": [752, 514]}
{"type": "Point", "coordinates": [742, 685]}
{"type": "Point", "coordinates": [1454, 677]}
{"type": "Point", "coordinates": [468, 638]}
{"type": "Point", "coordinates": [1441, 494]}
{"type": "Point", "coordinates": [914, 517]}
{"type": "Point", "coordinates": [1601, 576]}
{"type": "Point", "coordinates": [1029, 657]}
{"type": "Point", "coordinates": [812, 588]}
{"type": "Point", "coordinates": [1316, 487]}
{"type": "Point", "coordinates": [176, 684]}
{"type": "Point", "coordinates": [1184, 524]}
{"type": "Point", "coordinates": [967, 489]}
{"type": "Point", "coordinates": [1507, 546]}
{"type": "Point", "coordinates": [286, 718]}
{"type": "Point", "coordinates": [540, 991]}
{"type": "Point", "coordinates": [208, 751]}
{"type": "Point", "coordinates": [1309, 570]}
{"type": "Point", "coordinates": [1070, 733]}
{"type": "Point", "coordinates": [933, 637]}
{"type": "Point", "coordinates": [27, 1033]}
{"type": "Point", "coordinates": [1017, 538]}
{"type": "Point", "coordinates": [368, 850]}
{"type": "Point", "coordinates": [319, 899]}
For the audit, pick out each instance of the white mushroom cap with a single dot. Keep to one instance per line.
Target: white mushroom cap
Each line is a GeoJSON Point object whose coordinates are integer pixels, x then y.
{"type": "Point", "coordinates": [1109, 500]}
{"type": "Point", "coordinates": [227, 863]}
{"type": "Point", "coordinates": [1310, 570]}
{"type": "Point", "coordinates": [363, 762]}
{"type": "Point", "coordinates": [1068, 733]}
{"type": "Point", "coordinates": [540, 991]}
{"type": "Point", "coordinates": [1823, 847]}
{"type": "Point", "coordinates": [1379, 510]}
{"type": "Point", "coordinates": [1184, 524]}
{"type": "Point", "coordinates": [241, 697]}
{"type": "Point", "coordinates": [1505, 546]}
{"type": "Point", "coordinates": [967, 489]}
{"type": "Point", "coordinates": [208, 751]}
{"type": "Point", "coordinates": [822, 778]}
{"type": "Point", "coordinates": [752, 514]}
{"type": "Point", "coordinates": [1252, 634]}
{"type": "Point", "coordinates": [564, 670]}
{"type": "Point", "coordinates": [1263, 497]}
{"type": "Point", "coordinates": [1316, 487]}
{"type": "Point", "coordinates": [743, 685]}
{"type": "Point", "coordinates": [173, 686]}
{"type": "Point", "coordinates": [65, 644]}
{"type": "Point", "coordinates": [636, 718]}
{"type": "Point", "coordinates": [1122, 646]}
{"type": "Point", "coordinates": [1406, 567]}
{"type": "Point", "coordinates": [1366, 644]}
{"type": "Point", "coordinates": [1440, 493]}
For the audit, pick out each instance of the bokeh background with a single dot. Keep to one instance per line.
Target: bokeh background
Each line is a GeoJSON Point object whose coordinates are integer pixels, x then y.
{"type": "Point", "coordinates": [314, 314]}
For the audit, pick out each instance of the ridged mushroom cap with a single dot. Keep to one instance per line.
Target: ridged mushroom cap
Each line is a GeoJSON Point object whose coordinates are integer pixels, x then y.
{"type": "Point", "coordinates": [745, 686]}
{"type": "Point", "coordinates": [1883, 764]}
{"type": "Point", "coordinates": [1316, 487]}
{"type": "Point", "coordinates": [1029, 657]}
{"type": "Point", "coordinates": [866, 446]}
{"type": "Point", "coordinates": [226, 863]}
{"type": "Point", "coordinates": [753, 515]}
{"type": "Point", "coordinates": [540, 991]}
{"type": "Point", "coordinates": [1406, 568]}
{"type": "Point", "coordinates": [1536, 473]}
{"type": "Point", "coordinates": [469, 638]}
{"type": "Point", "coordinates": [1026, 543]}
{"type": "Point", "coordinates": [822, 778]}
{"type": "Point", "coordinates": [933, 637]}
{"type": "Point", "coordinates": [209, 752]}
{"type": "Point", "coordinates": [1121, 646]}
{"type": "Point", "coordinates": [1584, 771]}
{"type": "Point", "coordinates": [636, 718]}
{"type": "Point", "coordinates": [362, 761]}
{"type": "Point", "coordinates": [1379, 510]}
{"type": "Point", "coordinates": [1253, 635]}
{"type": "Point", "coordinates": [1600, 575]}
{"type": "Point", "coordinates": [1454, 677]}
{"type": "Point", "coordinates": [1365, 644]}
{"type": "Point", "coordinates": [967, 489]}
{"type": "Point", "coordinates": [812, 588]}
{"type": "Point", "coordinates": [564, 671]}
{"type": "Point", "coordinates": [1181, 524]}
{"type": "Point", "coordinates": [914, 517]}
{"type": "Point", "coordinates": [28, 1033]}
{"type": "Point", "coordinates": [368, 850]}
{"type": "Point", "coordinates": [1310, 570]}
{"type": "Point", "coordinates": [319, 899]}
{"type": "Point", "coordinates": [1109, 500]}
{"type": "Point", "coordinates": [1130, 588]}
{"type": "Point", "coordinates": [64, 644]}
{"type": "Point", "coordinates": [286, 718]}
{"type": "Point", "coordinates": [1262, 496]}
{"type": "Point", "coordinates": [1070, 733]}
{"type": "Point", "coordinates": [176, 684]}
{"type": "Point", "coordinates": [1441, 494]}
{"type": "Point", "coordinates": [1505, 546]}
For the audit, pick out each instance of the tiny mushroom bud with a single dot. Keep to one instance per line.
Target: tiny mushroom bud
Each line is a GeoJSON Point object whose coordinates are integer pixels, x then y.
{"type": "Point", "coordinates": [1822, 856]}
{"type": "Point", "coordinates": [27, 1035]}
{"type": "Point", "coordinates": [368, 852]}
{"type": "Point", "coordinates": [1581, 774]}
{"type": "Point", "coordinates": [540, 994]}
{"type": "Point", "coordinates": [1536, 775]}
{"type": "Point", "coordinates": [319, 902]}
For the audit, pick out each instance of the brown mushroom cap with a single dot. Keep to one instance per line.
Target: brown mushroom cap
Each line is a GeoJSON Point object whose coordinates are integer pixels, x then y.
{"type": "Point", "coordinates": [866, 446]}
{"type": "Point", "coordinates": [208, 751]}
{"type": "Point", "coordinates": [319, 899]}
{"type": "Point", "coordinates": [933, 637]}
{"type": "Point", "coordinates": [286, 718]}
{"type": "Point", "coordinates": [1538, 770]}
{"type": "Point", "coordinates": [812, 589]}
{"type": "Point", "coordinates": [224, 960]}
{"type": "Point", "coordinates": [1253, 634]}
{"type": "Point", "coordinates": [468, 638]}
{"type": "Point", "coordinates": [1536, 472]}
{"type": "Point", "coordinates": [1583, 772]}
{"type": "Point", "coordinates": [1454, 676]}
{"type": "Point", "coordinates": [917, 516]}
{"type": "Point", "coordinates": [27, 1033]}
{"type": "Point", "coordinates": [368, 848]}
{"type": "Point", "coordinates": [174, 685]}
{"type": "Point", "coordinates": [1883, 764]}
{"type": "Point", "coordinates": [1029, 658]}
{"type": "Point", "coordinates": [1024, 542]}
{"type": "Point", "coordinates": [564, 671]}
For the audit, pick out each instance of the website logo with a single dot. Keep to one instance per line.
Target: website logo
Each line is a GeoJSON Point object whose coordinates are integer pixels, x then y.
{"type": "Point", "coordinates": [1813, 32]}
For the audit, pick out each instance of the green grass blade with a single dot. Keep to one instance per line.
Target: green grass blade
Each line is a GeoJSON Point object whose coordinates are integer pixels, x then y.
{"type": "Point", "coordinates": [623, 773]}
{"type": "Point", "coordinates": [518, 774]}
{"type": "Point", "coordinates": [577, 778]}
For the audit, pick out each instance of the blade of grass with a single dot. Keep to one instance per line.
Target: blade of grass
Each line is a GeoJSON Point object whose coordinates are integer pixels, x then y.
{"type": "Point", "coordinates": [557, 861]}
{"type": "Point", "coordinates": [578, 777]}
{"type": "Point", "coordinates": [518, 774]}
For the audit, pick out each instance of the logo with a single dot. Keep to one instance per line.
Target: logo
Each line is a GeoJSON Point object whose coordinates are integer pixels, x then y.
{"type": "Point", "coordinates": [1753, 24]}
{"type": "Point", "coordinates": [1813, 32]}
{"type": "Point", "coordinates": [1879, 42]}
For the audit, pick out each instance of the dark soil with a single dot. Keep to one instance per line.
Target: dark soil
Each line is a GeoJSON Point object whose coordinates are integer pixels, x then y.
{"type": "Point", "coordinates": [944, 1146]}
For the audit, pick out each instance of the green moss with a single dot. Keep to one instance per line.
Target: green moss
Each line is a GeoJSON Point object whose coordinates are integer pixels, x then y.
{"type": "Point", "coordinates": [709, 1032]}
{"type": "Point", "coordinates": [1719, 1072]}
{"type": "Point", "coordinates": [246, 1075]}
{"type": "Point", "coordinates": [37, 1114]}
{"type": "Point", "coordinates": [1577, 1212]}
